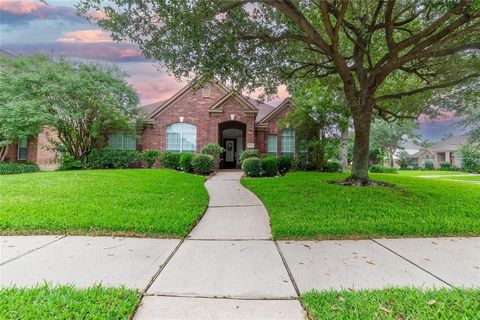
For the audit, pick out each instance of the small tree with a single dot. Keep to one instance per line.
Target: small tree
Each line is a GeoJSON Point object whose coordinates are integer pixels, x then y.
{"type": "Point", "coordinates": [404, 159]}
{"type": "Point", "coordinates": [470, 158]}
{"type": "Point", "coordinates": [82, 101]}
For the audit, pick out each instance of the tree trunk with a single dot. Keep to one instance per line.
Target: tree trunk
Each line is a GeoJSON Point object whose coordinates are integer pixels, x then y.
{"type": "Point", "coordinates": [344, 149]}
{"type": "Point", "coordinates": [3, 153]}
{"type": "Point", "coordinates": [361, 122]}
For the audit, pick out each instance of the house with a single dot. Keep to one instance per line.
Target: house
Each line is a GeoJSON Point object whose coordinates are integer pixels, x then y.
{"type": "Point", "coordinates": [443, 151]}
{"type": "Point", "coordinates": [446, 150]}
{"type": "Point", "coordinates": [186, 122]}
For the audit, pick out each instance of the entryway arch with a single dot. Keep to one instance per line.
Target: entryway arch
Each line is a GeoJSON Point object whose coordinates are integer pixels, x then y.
{"type": "Point", "coordinates": [231, 136]}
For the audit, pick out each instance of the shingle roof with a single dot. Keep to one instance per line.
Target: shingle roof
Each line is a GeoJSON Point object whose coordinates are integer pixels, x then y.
{"type": "Point", "coordinates": [150, 108]}
{"type": "Point", "coordinates": [451, 144]}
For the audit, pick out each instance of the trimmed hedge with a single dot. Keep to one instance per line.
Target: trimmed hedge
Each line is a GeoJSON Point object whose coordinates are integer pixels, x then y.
{"type": "Point", "coordinates": [171, 160]}
{"type": "Point", "coordinates": [428, 164]}
{"type": "Point", "coordinates": [445, 165]}
{"type": "Point", "coordinates": [269, 166]}
{"type": "Point", "coordinates": [249, 154]}
{"type": "Point", "coordinates": [202, 163]}
{"type": "Point", "coordinates": [116, 159]}
{"type": "Point", "coordinates": [333, 166]}
{"type": "Point", "coordinates": [15, 168]}
{"type": "Point", "coordinates": [150, 156]}
{"type": "Point", "coordinates": [186, 162]}
{"type": "Point", "coordinates": [377, 168]}
{"type": "Point", "coordinates": [285, 164]}
{"type": "Point", "coordinates": [252, 167]}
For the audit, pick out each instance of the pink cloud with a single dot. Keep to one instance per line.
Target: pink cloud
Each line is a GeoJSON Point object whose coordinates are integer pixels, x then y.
{"type": "Point", "coordinates": [22, 6]}
{"type": "Point", "coordinates": [85, 36]}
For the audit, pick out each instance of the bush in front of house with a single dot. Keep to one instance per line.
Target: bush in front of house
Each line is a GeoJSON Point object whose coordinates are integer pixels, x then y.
{"type": "Point", "coordinates": [150, 156]}
{"type": "Point", "coordinates": [202, 164]}
{"type": "Point", "coordinates": [269, 166]}
{"type": "Point", "coordinates": [186, 162]}
{"type": "Point", "coordinates": [470, 158]}
{"type": "Point", "coordinates": [333, 166]}
{"type": "Point", "coordinates": [445, 165]}
{"type": "Point", "coordinates": [171, 160]}
{"type": "Point", "coordinates": [252, 153]}
{"type": "Point", "coordinates": [252, 167]}
{"type": "Point", "coordinates": [212, 149]}
{"type": "Point", "coordinates": [14, 168]}
{"type": "Point", "coordinates": [428, 164]}
{"type": "Point", "coordinates": [112, 159]}
{"type": "Point", "coordinates": [378, 168]}
{"type": "Point", "coordinates": [68, 162]}
{"type": "Point", "coordinates": [285, 164]}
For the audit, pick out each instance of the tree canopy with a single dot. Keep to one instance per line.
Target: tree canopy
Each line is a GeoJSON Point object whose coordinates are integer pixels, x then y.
{"type": "Point", "coordinates": [82, 101]}
{"type": "Point", "coordinates": [382, 51]}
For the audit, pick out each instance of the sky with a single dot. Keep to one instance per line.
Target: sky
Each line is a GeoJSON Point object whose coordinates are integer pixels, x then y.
{"type": "Point", "coordinates": [29, 26]}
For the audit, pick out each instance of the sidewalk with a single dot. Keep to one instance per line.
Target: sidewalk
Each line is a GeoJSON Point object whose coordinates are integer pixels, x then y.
{"type": "Point", "coordinates": [228, 267]}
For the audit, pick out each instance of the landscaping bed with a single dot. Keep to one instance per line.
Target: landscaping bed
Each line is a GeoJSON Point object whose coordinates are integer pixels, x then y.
{"type": "Point", "coordinates": [303, 205]}
{"type": "Point", "coordinates": [66, 302]}
{"type": "Point", "coordinates": [401, 303]}
{"type": "Point", "coordinates": [129, 202]}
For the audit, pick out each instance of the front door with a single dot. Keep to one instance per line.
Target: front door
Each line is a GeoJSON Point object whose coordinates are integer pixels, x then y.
{"type": "Point", "coordinates": [230, 160]}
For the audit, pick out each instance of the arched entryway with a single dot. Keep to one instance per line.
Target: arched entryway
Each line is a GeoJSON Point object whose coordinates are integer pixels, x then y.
{"type": "Point", "coordinates": [231, 136]}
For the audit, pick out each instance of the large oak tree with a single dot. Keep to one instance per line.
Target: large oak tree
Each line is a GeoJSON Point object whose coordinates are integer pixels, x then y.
{"type": "Point", "coordinates": [382, 51]}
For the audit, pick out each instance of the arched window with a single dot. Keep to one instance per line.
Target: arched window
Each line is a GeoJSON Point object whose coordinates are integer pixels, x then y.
{"type": "Point", "coordinates": [288, 142]}
{"type": "Point", "coordinates": [181, 137]}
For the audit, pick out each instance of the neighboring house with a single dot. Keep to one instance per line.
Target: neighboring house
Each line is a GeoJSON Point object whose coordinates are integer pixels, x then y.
{"type": "Point", "coordinates": [446, 151]}
{"type": "Point", "coordinates": [421, 156]}
{"type": "Point", "coordinates": [188, 121]}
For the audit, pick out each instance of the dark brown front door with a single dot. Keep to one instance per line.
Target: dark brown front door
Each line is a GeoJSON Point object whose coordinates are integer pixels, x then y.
{"type": "Point", "coordinates": [230, 154]}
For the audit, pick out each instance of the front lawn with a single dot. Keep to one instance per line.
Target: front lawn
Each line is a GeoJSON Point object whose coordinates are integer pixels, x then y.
{"type": "Point", "coordinates": [471, 178]}
{"type": "Point", "coordinates": [302, 205]}
{"type": "Point", "coordinates": [66, 302]}
{"type": "Point", "coordinates": [402, 303]}
{"type": "Point", "coordinates": [428, 172]}
{"type": "Point", "coordinates": [131, 202]}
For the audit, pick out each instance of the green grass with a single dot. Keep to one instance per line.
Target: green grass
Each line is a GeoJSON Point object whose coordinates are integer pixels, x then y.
{"type": "Point", "coordinates": [66, 302]}
{"type": "Point", "coordinates": [401, 303]}
{"type": "Point", "coordinates": [302, 205]}
{"type": "Point", "coordinates": [131, 202]}
{"type": "Point", "coordinates": [471, 178]}
{"type": "Point", "coordinates": [427, 172]}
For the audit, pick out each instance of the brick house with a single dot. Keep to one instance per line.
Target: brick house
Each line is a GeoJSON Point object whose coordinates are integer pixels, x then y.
{"type": "Point", "coordinates": [188, 121]}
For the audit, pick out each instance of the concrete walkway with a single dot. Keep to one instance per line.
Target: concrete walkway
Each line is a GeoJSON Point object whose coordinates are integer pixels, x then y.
{"type": "Point", "coordinates": [228, 268]}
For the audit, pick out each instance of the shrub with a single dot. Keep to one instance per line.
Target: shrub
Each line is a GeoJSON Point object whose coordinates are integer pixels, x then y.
{"type": "Point", "coordinates": [378, 168]}
{"type": "Point", "coordinates": [212, 149]}
{"type": "Point", "coordinates": [404, 159]}
{"type": "Point", "coordinates": [116, 159]}
{"type": "Point", "coordinates": [252, 153]}
{"type": "Point", "coordinates": [68, 162]}
{"type": "Point", "coordinates": [202, 163]}
{"type": "Point", "coordinates": [186, 162]}
{"type": "Point", "coordinates": [428, 164]}
{"type": "Point", "coordinates": [171, 160]}
{"type": "Point", "coordinates": [445, 165]}
{"type": "Point", "coordinates": [252, 167]}
{"type": "Point", "coordinates": [150, 156]}
{"type": "Point", "coordinates": [333, 166]}
{"type": "Point", "coordinates": [285, 164]}
{"type": "Point", "coordinates": [14, 168]}
{"type": "Point", "coordinates": [470, 158]}
{"type": "Point", "coordinates": [269, 166]}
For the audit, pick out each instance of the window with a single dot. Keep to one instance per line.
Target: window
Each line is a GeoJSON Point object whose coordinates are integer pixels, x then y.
{"type": "Point", "coordinates": [206, 92]}
{"type": "Point", "coordinates": [272, 144]}
{"type": "Point", "coordinates": [22, 148]}
{"type": "Point", "coordinates": [122, 141]}
{"type": "Point", "coordinates": [182, 137]}
{"type": "Point", "coordinates": [288, 142]}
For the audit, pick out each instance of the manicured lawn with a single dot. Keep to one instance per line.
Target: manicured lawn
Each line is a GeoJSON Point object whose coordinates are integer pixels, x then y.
{"type": "Point", "coordinates": [302, 205]}
{"type": "Point", "coordinates": [471, 178]}
{"type": "Point", "coordinates": [427, 172]}
{"type": "Point", "coordinates": [392, 304]}
{"type": "Point", "coordinates": [135, 202]}
{"type": "Point", "coordinates": [66, 302]}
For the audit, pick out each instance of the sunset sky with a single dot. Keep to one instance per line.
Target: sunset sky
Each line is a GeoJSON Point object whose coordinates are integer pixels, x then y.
{"type": "Point", "coordinates": [29, 26]}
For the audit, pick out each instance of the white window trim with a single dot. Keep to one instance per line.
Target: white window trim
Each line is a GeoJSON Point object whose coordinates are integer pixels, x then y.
{"type": "Point", "coordinates": [181, 149]}
{"type": "Point", "coordinates": [19, 147]}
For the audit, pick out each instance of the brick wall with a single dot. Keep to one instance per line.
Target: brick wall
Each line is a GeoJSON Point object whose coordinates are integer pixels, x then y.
{"type": "Point", "coordinates": [272, 128]}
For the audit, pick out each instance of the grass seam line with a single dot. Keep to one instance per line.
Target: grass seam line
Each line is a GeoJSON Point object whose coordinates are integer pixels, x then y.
{"type": "Point", "coordinates": [290, 275]}
{"type": "Point", "coordinates": [32, 250]}
{"type": "Point", "coordinates": [416, 265]}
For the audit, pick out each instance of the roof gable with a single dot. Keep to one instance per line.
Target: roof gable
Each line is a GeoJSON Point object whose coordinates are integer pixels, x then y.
{"type": "Point", "coordinates": [248, 106]}
{"type": "Point", "coordinates": [282, 106]}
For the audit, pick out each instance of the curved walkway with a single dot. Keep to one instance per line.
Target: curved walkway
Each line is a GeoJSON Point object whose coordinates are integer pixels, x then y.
{"type": "Point", "coordinates": [229, 268]}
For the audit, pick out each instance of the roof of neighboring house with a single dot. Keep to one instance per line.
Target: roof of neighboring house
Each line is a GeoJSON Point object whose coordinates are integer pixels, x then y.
{"type": "Point", "coordinates": [450, 144]}
{"type": "Point", "coordinates": [410, 145]}
{"type": "Point", "coordinates": [422, 153]}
